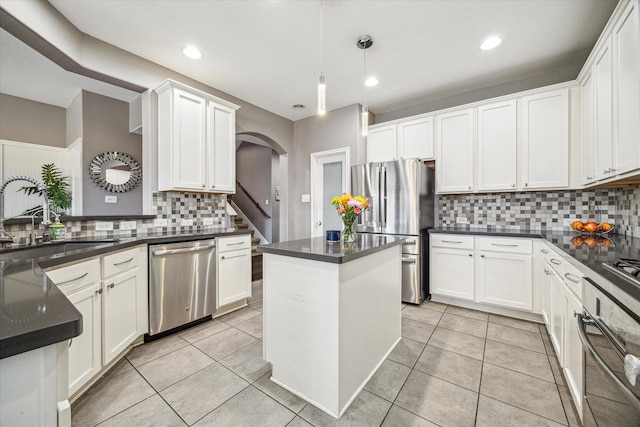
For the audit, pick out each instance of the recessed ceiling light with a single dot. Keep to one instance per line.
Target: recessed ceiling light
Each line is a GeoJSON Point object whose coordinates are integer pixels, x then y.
{"type": "Point", "coordinates": [191, 52]}
{"type": "Point", "coordinates": [490, 43]}
{"type": "Point", "coordinates": [298, 107]}
{"type": "Point", "coordinates": [371, 81]}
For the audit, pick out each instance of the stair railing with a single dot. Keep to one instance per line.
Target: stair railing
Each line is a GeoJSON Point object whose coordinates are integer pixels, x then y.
{"type": "Point", "coordinates": [252, 199]}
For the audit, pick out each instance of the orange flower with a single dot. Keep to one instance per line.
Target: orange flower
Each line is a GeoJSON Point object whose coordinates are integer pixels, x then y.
{"type": "Point", "coordinates": [341, 210]}
{"type": "Point", "coordinates": [357, 210]}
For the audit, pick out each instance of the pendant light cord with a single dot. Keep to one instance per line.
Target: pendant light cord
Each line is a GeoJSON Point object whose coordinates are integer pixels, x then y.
{"type": "Point", "coordinates": [321, 42]}
{"type": "Point", "coordinates": [364, 75]}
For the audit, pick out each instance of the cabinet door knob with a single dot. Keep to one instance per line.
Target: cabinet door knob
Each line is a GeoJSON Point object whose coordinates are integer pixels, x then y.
{"type": "Point", "coordinates": [111, 285]}
{"type": "Point", "coordinates": [482, 256]}
{"type": "Point", "coordinates": [469, 187]}
{"type": "Point", "coordinates": [513, 186]}
{"type": "Point", "coordinates": [589, 178]}
{"type": "Point", "coordinates": [319, 223]}
{"type": "Point", "coordinates": [203, 185]}
{"type": "Point", "coordinates": [470, 254]}
{"type": "Point", "coordinates": [99, 291]}
{"type": "Point", "coordinates": [526, 185]}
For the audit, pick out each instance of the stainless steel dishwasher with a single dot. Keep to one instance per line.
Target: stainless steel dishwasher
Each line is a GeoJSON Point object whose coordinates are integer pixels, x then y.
{"type": "Point", "coordinates": [182, 285]}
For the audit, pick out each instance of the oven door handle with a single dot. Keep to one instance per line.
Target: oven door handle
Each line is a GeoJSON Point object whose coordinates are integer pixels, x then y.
{"type": "Point", "coordinates": [601, 364]}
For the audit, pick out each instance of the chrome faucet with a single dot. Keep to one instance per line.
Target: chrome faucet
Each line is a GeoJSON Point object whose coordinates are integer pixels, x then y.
{"type": "Point", "coordinates": [6, 237]}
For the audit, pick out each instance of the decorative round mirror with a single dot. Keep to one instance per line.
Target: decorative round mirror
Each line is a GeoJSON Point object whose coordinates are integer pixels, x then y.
{"type": "Point", "coordinates": [115, 172]}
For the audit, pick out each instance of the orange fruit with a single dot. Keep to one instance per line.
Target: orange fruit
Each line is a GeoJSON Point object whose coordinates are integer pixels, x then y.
{"type": "Point", "coordinates": [577, 241]}
{"type": "Point", "coordinates": [605, 227]}
{"type": "Point", "coordinates": [577, 225]}
{"type": "Point", "coordinates": [590, 242]}
{"type": "Point", "coordinates": [590, 227]}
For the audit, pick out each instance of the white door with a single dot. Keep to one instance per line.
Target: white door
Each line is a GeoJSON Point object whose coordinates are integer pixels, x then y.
{"type": "Point", "coordinates": [329, 178]}
{"type": "Point", "coordinates": [120, 316]}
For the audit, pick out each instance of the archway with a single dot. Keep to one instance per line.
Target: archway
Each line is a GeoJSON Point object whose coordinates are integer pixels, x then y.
{"type": "Point", "coordinates": [262, 184]}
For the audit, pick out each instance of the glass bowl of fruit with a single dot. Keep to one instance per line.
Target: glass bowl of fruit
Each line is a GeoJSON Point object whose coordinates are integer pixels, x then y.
{"type": "Point", "coordinates": [591, 227]}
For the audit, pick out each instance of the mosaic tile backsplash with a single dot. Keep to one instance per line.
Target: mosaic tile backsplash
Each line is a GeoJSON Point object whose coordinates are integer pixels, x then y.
{"type": "Point", "coordinates": [174, 207]}
{"type": "Point", "coordinates": [516, 211]}
{"type": "Point", "coordinates": [553, 210]}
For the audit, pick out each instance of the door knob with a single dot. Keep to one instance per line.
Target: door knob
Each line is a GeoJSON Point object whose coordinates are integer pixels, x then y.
{"type": "Point", "coordinates": [319, 222]}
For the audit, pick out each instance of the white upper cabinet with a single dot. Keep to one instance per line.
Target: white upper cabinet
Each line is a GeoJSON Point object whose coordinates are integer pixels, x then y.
{"type": "Point", "coordinates": [626, 90]}
{"type": "Point", "coordinates": [409, 139]}
{"type": "Point", "coordinates": [381, 144]}
{"type": "Point", "coordinates": [611, 100]}
{"type": "Point", "coordinates": [497, 146]}
{"type": "Point", "coordinates": [454, 151]}
{"type": "Point", "coordinates": [603, 111]}
{"type": "Point", "coordinates": [196, 140]}
{"type": "Point", "coordinates": [588, 149]}
{"type": "Point", "coordinates": [415, 139]}
{"type": "Point", "coordinates": [545, 140]}
{"type": "Point", "coordinates": [221, 122]}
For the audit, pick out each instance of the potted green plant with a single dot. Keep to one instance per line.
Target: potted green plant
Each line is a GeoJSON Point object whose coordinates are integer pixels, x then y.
{"type": "Point", "coordinates": [57, 189]}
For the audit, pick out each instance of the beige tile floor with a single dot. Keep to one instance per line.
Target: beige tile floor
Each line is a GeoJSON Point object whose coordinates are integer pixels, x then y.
{"type": "Point", "coordinates": [453, 367]}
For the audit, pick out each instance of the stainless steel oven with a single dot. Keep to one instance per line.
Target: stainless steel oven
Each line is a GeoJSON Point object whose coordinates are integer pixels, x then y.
{"type": "Point", "coordinates": [610, 336]}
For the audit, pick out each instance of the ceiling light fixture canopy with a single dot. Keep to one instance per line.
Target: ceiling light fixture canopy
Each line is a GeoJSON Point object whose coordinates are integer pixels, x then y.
{"type": "Point", "coordinates": [490, 43]}
{"type": "Point", "coordinates": [364, 42]}
{"type": "Point", "coordinates": [192, 52]}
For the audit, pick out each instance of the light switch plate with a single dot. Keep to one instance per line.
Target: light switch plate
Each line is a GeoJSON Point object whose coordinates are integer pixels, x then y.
{"type": "Point", "coordinates": [186, 222]}
{"type": "Point", "coordinates": [306, 198]}
{"type": "Point", "coordinates": [104, 225]}
{"type": "Point", "coordinates": [160, 222]}
{"type": "Point", "coordinates": [207, 221]}
{"type": "Point", "coordinates": [127, 225]}
{"type": "Point", "coordinates": [111, 199]}
{"type": "Point", "coordinates": [462, 220]}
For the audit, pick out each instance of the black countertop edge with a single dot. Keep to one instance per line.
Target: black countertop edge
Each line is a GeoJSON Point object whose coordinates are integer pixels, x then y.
{"type": "Point", "coordinates": [81, 218]}
{"type": "Point", "coordinates": [60, 320]}
{"type": "Point", "coordinates": [488, 232]}
{"type": "Point", "coordinates": [318, 249]}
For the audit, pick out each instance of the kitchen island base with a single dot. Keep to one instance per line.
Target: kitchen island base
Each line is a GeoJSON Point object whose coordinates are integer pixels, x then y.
{"type": "Point", "coordinates": [329, 326]}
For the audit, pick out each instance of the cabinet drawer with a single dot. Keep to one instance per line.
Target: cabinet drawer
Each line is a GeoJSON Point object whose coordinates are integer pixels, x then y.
{"type": "Point", "coordinates": [451, 241]}
{"type": "Point", "coordinates": [120, 261]}
{"type": "Point", "coordinates": [510, 245]}
{"type": "Point", "coordinates": [226, 244]}
{"type": "Point", "coordinates": [76, 276]}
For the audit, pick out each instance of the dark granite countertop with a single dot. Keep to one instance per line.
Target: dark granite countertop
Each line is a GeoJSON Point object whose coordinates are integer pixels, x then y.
{"type": "Point", "coordinates": [588, 260]}
{"type": "Point", "coordinates": [318, 249]}
{"type": "Point", "coordinates": [33, 311]}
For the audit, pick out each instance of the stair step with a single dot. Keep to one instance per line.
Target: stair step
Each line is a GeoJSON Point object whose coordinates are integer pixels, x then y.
{"type": "Point", "coordinates": [255, 240]}
{"type": "Point", "coordinates": [242, 225]}
{"type": "Point", "coordinates": [238, 218]}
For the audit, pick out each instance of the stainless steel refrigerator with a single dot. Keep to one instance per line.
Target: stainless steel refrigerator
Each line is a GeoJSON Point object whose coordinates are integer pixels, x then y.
{"type": "Point", "coordinates": [401, 195]}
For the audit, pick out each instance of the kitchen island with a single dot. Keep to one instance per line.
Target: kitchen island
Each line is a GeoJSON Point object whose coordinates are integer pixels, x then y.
{"type": "Point", "coordinates": [331, 315]}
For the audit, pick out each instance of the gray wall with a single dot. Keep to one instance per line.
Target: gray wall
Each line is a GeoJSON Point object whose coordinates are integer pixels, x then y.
{"type": "Point", "coordinates": [253, 171]}
{"type": "Point", "coordinates": [337, 129]}
{"type": "Point", "coordinates": [29, 121]}
{"type": "Point", "coordinates": [105, 123]}
{"type": "Point", "coordinates": [447, 100]}
{"type": "Point", "coordinates": [74, 119]}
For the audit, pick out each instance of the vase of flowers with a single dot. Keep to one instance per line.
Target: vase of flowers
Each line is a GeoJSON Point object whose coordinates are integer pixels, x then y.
{"type": "Point", "coordinates": [349, 207]}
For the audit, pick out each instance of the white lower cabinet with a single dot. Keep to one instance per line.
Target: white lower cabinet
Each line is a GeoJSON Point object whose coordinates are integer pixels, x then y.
{"type": "Point", "coordinates": [451, 263]}
{"type": "Point", "coordinates": [504, 279]}
{"type": "Point", "coordinates": [85, 359]}
{"type": "Point", "coordinates": [120, 318]}
{"type": "Point", "coordinates": [234, 269]}
{"type": "Point", "coordinates": [573, 354]}
{"type": "Point", "coordinates": [111, 294]}
{"type": "Point", "coordinates": [487, 270]}
{"type": "Point", "coordinates": [557, 316]}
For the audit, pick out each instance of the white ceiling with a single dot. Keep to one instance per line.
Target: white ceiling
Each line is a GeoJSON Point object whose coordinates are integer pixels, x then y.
{"type": "Point", "coordinates": [267, 52]}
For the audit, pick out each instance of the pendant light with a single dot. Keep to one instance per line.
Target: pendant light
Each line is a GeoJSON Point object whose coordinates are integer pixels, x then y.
{"type": "Point", "coordinates": [364, 42]}
{"type": "Point", "coordinates": [322, 87]}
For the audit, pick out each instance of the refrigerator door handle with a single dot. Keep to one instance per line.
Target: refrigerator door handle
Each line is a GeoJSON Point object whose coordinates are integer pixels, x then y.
{"type": "Point", "coordinates": [384, 200]}
{"type": "Point", "coordinates": [377, 217]}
